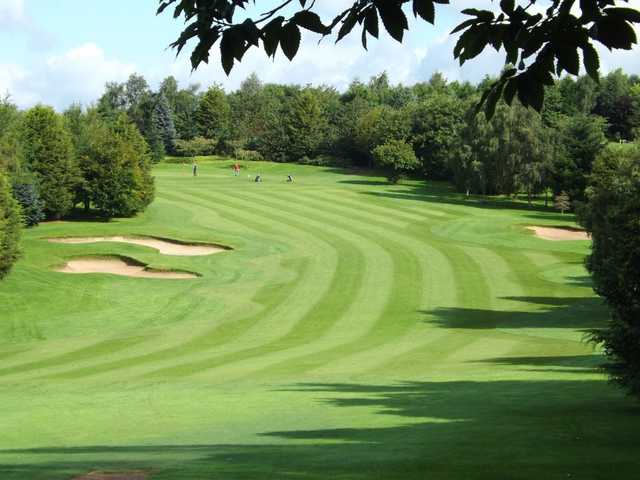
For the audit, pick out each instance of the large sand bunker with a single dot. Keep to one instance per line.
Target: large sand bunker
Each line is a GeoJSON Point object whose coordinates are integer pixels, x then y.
{"type": "Point", "coordinates": [166, 247]}
{"type": "Point", "coordinates": [559, 233]}
{"type": "Point", "coordinates": [119, 266]}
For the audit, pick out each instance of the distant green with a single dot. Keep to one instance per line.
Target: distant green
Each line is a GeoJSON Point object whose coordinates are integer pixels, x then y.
{"type": "Point", "coordinates": [357, 330]}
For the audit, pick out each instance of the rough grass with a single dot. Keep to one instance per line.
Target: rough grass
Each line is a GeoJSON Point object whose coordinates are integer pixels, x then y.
{"type": "Point", "coordinates": [358, 330]}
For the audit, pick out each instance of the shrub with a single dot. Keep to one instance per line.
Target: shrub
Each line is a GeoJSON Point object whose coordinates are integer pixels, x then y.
{"type": "Point", "coordinates": [247, 155]}
{"type": "Point", "coordinates": [10, 220]}
{"type": "Point", "coordinates": [25, 191]}
{"type": "Point", "coordinates": [612, 217]}
{"type": "Point", "coordinates": [196, 147]}
{"type": "Point", "coordinates": [397, 158]}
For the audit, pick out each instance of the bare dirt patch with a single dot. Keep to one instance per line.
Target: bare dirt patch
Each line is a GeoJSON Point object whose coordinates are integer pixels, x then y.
{"type": "Point", "coordinates": [166, 247]}
{"type": "Point", "coordinates": [119, 266]}
{"type": "Point", "coordinates": [559, 233]}
{"type": "Point", "coordinates": [113, 476]}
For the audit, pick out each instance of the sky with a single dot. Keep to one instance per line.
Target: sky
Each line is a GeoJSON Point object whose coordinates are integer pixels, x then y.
{"type": "Point", "coordinates": [62, 51]}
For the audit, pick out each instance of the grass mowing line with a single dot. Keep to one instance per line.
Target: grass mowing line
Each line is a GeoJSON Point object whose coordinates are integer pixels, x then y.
{"type": "Point", "coordinates": [397, 218]}
{"type": "Point", "coordinates": [96, 350]}
{"type": "Point", "coordinates": [347, 324]}
{"type": "Point", "coordinates": [244, 341]}
{"type": "Point", "coordinates": [371, 428]}
{"type": "Point", "coordinates": [314, 323]}
{"type": "Point", "coordinates": [406, 301]}
{"type": "Point", "coordinates": [215, 337]}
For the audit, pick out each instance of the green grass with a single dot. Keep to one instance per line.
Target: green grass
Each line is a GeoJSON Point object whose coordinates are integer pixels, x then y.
{"type": "Point", "coordinates": [357, 330]}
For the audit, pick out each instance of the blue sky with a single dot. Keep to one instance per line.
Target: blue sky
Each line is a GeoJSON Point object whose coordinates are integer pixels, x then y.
{"type": "Point", "coordinates": [61, 51]}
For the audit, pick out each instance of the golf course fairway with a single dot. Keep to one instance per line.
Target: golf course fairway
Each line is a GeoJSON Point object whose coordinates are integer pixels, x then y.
{"type": "Point", "coordinates": [353, 330]}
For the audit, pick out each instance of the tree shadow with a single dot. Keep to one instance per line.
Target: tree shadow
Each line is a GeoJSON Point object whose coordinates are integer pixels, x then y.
{"type": "Point", "coordinates": [580, 281]}
{"type": "Point", "coordinates": [559, 363]}
{"type": "Point", "coordinates": [559, 312]}
{"type": "Point", "coordinates": [365, 182]}
{"type": "Point", "coordinates": [417, 430]}
{"type": "Point", "coordinates": [443, 194]}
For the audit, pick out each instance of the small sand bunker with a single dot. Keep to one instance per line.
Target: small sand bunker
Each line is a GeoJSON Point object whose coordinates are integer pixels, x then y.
{"type": "Point", "coordinates": [119, 266]}
{"type": "Point", "coordinates": [166, 247]}
{"type": "Point", "coordinates": [560, 233]}
{"type": "Point", "coordinates": [113, 476]}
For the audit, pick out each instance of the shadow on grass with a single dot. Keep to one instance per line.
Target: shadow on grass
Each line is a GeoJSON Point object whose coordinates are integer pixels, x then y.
{"type": "Point", "coordinates": [365, 182]}
{"type": "Point", "coordinates": [559, 363]}
{"type": "Point", "coordinates": [559, 312]}
{"type": "Point", "coordinates": [417, 430]}
{"type": "Point", "coordinates": [580, 281]}
{"type": "Point", "coordinates": [443, 194]}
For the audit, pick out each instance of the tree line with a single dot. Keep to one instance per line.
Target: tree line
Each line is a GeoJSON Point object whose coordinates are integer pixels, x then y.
{"type": "Point", "coordinates": [53, 164]}
{"type": "Point", "coordinates": [429, 129]}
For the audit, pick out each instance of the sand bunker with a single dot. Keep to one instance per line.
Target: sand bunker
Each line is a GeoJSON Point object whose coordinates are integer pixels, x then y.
{"type": "Point", "coordinates": [166, 247]}
{"type": "Point", "coordinates": [560, 233]}
{"type": "Point", "coordinates": [119, 266]}
{"type": "Point", "coordinates": [113, 476]}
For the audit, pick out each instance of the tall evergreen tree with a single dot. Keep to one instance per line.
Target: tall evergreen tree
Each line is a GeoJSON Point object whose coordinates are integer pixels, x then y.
{"type": "Point", "coordinates": [163, 119]}
{"type": "Point", "coordinates": [120, 182]}
{"type": "Point", "coordinates": [214, 114]}
{"type": "Point", "coordinates": [48, 153]}
{"type": "Point", "coordinates": [436, 125]}
{"type": "Point", "coordinates": [10, 221]}
{"type": "Point", "coordinates": [304, 125]}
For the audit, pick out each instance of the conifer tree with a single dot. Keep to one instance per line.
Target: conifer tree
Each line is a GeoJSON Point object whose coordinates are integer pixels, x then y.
{"type": "Point", "coordinates": [163, 121]}
{"type": "Point", "coordinates": [9, 227]}
{"type": "Point", "coordinates": [48, 153]}
{"type": "Point", "coordinates": [214, 114]}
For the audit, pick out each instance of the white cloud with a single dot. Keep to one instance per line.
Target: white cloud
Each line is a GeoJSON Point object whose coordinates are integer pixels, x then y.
{"type": "Point", "coordinates": [13, 15]}
{"type": "Point", "coordinates": [78, 75]}
{"type": "Point", "coordinates": [16, 19]}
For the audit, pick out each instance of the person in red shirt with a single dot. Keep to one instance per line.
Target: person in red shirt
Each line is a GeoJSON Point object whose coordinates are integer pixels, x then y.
{"type": "Point", "coordinates": [236, 169]}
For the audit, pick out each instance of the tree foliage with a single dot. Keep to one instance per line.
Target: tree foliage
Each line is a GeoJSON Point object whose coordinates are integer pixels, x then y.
{"type": "Point", "coordinates": [612, 217]}
{"type": "Point", "coordinates": [25, 191]}
{"type": "Point", "coordinates": [213, 116]}
{"type": "Point", "coordinates": [397, 158]}
{"type": "Point", "coordinates": [562, 202]}
{"type": "Point", "coordinates": [541, 43]}
{"type": "Point", "coordinates": [9, 227]}
{"type": "Point", "coordinates": [118, 180]}
{"type": "Point", "coordinates": [48, 153]}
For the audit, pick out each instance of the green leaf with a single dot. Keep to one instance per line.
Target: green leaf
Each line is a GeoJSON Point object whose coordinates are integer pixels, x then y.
{"type": "Point", "coordinates": [568, 59]}
{"type": "Point", "coordinates": [425, 9]}
{"type": "Point", "coordinates": [271, 35]}
{"type": "Point", "coordinates": [347, 25]}
{"type": "Point", "coordinates": [464, 25]}
{"type": "Point", "coordinates": [371, 22]}
{"type": "Point", "coordinates": [507, 6]}
{"type": "Point", "coordinates": [492, 99]}
{"type": "Point", "coordinates": [393, 18]}
{"type": "Point", "coordinates": [227, 52]}
{"type": "Point", "coordinates": [591, 61]}
{"type": "Point", "coordinates": [510, 90]}
{"type": "Point", "coordinates": [310, 21]}
{"type": "Point", "coordinates": [484, 15]}
{"type": "Point", "coordinates": [614, 32]}
{"type": "Point", "coordinates": [290, 40]}
{"type": "Point", "coordinates": [629, 14]}
{"type": "Point", "coordinates": [589, 8]}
